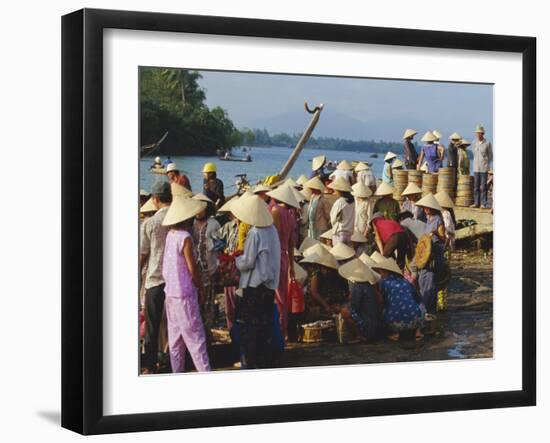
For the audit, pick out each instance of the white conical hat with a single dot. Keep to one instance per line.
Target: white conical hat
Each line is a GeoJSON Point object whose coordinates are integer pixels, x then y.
{"type": "Point", "coordinates": [342, 251]}
{"type": "Point", "coordinates": [455, 136]}
{"type": "Point", "coordinates": [228, 204]}
{"type": "Point", "coordinates": [429, 201]}
{"type": "Point", "coordinates": [409, 133]}
{"type": "Point", "coordinates": [340, 184]}
{"type": "Point", "coordinates": [364, 257]}
{"type": "Point", "coordinates": [302, 179]}
{"type": "Point", "coordinates": [389, 264]}
{"type": "Point", "coordinates": [181, 209]}
{"type": "Point", "coordinates": [291, 182]}
{"type": "Point", "coordinates": [284, 194]}
{"type": "Point", "coordinates": [300, 273]}
{"type": "Point", "coordinates": [252, 210]}
{"type": "Point", "coordinates": [306, 194]}
{"type": "Point", "coordinates": [361, 190]}
{"type": "Point", "coordinates": [180, 191]}
{"type": "Point", "coordinates": [297, 194]}
{"type": "Point", "coordinates": [417, 227]}
{"type": "Point", "coordinates": [429, 137]}
{"type": "Point", "coordinates": [326, 260]}
{"type": "Point", "coordinates": [361, 166]}
{"type": "Point", "coordinates": [315, 183]}
{"type": "Point", "coordinates": [376, 256]}
{"type": "Point", "coordinates": [308, 242]}
{"type": "Point", "coordinates": [144, 193]}
{"type": "Point", "coordinates": [397, 164]}
{"type": "Point", "coordinates": [411, 189]}
{"type": "Point", "coordinates": [344, 166]}
{"type": "Point", "coordinates": [317, 162]}
{"type": "Point", "coordinates": [390, 155]}
{"type": "Point", "coordinates": [315, 249]}
{"type": "Point", "coordinates": [200, 196]}
{"type": "Point", "coordinates": [358, 272]}
{"type": "Point", "coordinates": [436, 133]}
{"type": "Point", "coordinates": [384, 189]}
{"type": "Point", "coordinates": [261, 188]}
{"type": "Point", "coordinates": [444, 200]}
{"type": "Point", "coordinates": [148, 206]}
{"type": "Point", "coordinates": [328, 234]}
{"type": "Point", "coordinates": [357, 237]}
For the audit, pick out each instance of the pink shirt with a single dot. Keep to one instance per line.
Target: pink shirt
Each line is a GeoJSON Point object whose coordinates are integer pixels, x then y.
{"type": "Point", "coordinates": [175, 271]}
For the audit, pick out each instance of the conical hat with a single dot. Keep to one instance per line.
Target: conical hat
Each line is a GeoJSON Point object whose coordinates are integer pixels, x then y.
{"type": "Point", "coordinates": [252, 210]}
{"type": "Point", "coordinates": [376, 256]}
{"type": "Point", "coordinates": [361, 166]}
{"type": "Point", "coordinates": [357, 237]}
{"type": "Point", "coordinates": [361, 190]}
{"type": "Point", "coordinates": [317, 162]}
{"type": "Point", "coordinates": [390, 155]}
{"type": "Point", "coordinates": [297, 194]}
{"type": "Point", "coordinates": [315, 249]}
{"type": "Point", "coordinates": [326, 260]}
{"type": "Point", "coordinates": [455, 136]}
{"type": "Point", "coordinates": [306, 194]}
{"type": "Point", "coordinates": [417, 227]}
{"type": "Point", "coordinates": [144, 193]}
{"type": "Point", "coordinates": [261, 188]}
{"type": "Point", "coordinates": [364, 257]}
{"type": "Point", "coordinates": [181, 209]}
{"type": "Point", "coordinates": [397, 164]}
{"type": "Point", "coordinates": [411, 189]}
{"type": "Point", "coordinates": [429, 201]}
{"type": "Point", "coordinates": [340, 184]}
{"type": "Point", "coordinates": [388, 264]}
{"type": "Point", "coordinates": [203, 198]}
{"type": "Point", "coordinates": [464, 142]}
{"type": "Point", "coordinates": [429, 137]}
{"type": "Point", "coordinates": [384, 189]}
{"type": "Point", "coordinates": [344, 166]}
{"type": "Point", "coordinates": [148, 206]}
{"type": "Point", "coordinates": [226, 207]}
{"type": "Point", "coordinates": [358, 272]}
{"type": "Point", "coordinates": [284, 194]}
{"type": "Point", "coordinates": [436, 133]}
{"type": "Point", "coordinates": [315, 183]}
{"type": "Point", "coordinates": [342, 251]}
{"type": "Point", "coordinates": [300, 273]}
{"type": "Point", "coordinates": [308, 242]}
{"type": "Point", "coordinates": [180, 191]}
{"type": "Point", "coordinates": [328, 234]}
{"type": "Point", "coordinates": [444, 200]}
{"type": "Point", "coordinates": [409, 133]}
{"type": "Point", "coordinates": [291, 182]}
{"type": "Point", "coordinates": [302, 179]}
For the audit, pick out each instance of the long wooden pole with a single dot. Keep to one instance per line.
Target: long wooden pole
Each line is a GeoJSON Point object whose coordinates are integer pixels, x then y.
{"type": "Point", "coordinates": [303, 140]}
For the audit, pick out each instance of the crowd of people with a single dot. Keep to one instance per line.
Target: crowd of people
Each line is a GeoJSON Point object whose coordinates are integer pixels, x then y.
{"type": "Point", "coordinates": [356, 254]}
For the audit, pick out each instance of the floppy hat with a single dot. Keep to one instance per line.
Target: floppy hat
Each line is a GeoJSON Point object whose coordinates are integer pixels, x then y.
{"type": "Point", "coordinates": [444, 200]}
{"type": "Point", "coordinates": [315, 249]}
{"type": "Point", "coordinates": [389, 156]}
{"type": "Point", "coordinates": [361, 166]}
{"type": "Point", "coordinates": [315, 183]}
{"type": "Point", "coordinates": [261, 188]}
{"type": "Point", "coordinates": [252, 210]}
{"type": "Point", "coordinates": [411, 189]}
{"type": "Point", "coordinates": [361, 190]}
{"type": "Point", "coordinates": [284, 194]}
{"type": "Point", "coordinates": [455, 136]}
{"type": "Point", "coordinates": [357, 237]}
{"type": "Point", "coordinates": [429, 201]}
{"type": "Point", "coordinates": [397, 164]}
{"type": "Point", "coordinates": [318, 162]}
{"type": "Point", "coordinates": [480, 128]}
{"type": "Point", "coordinates": [388, 264]}
{"type": "Point", "coordinates": [436, 133]}
{"type": "Point", "coordinates": [344, 166]}
{"type": "Point", "coordinates": [307, 242]}
{"type": "Point", "coordinates": [409, 133]}
{"type": "Point", "coordinates": [417, 227]}
{"type": "Point", "coordinates": [429, 137]}
{"type": "Point", "coordinates": [171, 167]}
{"type": "Point", "coordinates": [179, 190]}
{"type": "Point", "coordinates": [306, 194]}
{"type": "Point", "coordinates": [181, 209]}
{"type": "Point", "coordinates": [340, 184]}
{"type": "Point", "coordinates": [302, 179]}
{"type": "Point", "coordinates": [358, 272]}
{"type": "Point", "coordinates": [342, 251]}
{"type": "Point", "coordinates": [203, 198]}
{"type": "Point", "coordinates": [384, 189]}
{"type": "Point", "coordinates": [328, 234]}
{"type": "Point", "coordinates": [376, 256]}
{"type": "Point", "coordinates": [364, 257]}
{"type": "Point", "coordinates": [148, 206]}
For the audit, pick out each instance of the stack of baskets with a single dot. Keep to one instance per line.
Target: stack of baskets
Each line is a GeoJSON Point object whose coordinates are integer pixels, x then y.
{"type": "Point", "coordinates": [447, 181]}
{"type": "Point", "coordinates": [400, 181]}
{"type": "Point", "coordinates": [415, 177]}
{"type": "Point", "coordinates": [465, 190]}
{"type": "Point", "coordinates": [429, 184]}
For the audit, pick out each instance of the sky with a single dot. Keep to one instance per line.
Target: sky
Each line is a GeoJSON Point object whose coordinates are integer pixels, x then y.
{"type": "Point", "coordinates": [355, 108]}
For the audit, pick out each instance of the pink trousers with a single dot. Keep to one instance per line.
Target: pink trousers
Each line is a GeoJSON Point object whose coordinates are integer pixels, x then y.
{"type": "Point", "coordinates": [230, 299]}
{"type": "Point", "coordinates": [186, 332]}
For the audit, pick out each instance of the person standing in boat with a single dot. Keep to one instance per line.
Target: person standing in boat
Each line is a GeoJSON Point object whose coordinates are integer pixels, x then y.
{"type": "Point", "coordinates": [430, 153]}
{"type": "Point", "coordinates": [483, 157]}
{"type": "Point", "coordinates": [318, 213]}
{"type": "Point", "coordinates": [174, 176]}
{"type": "Point", "coordinates": [212, 185]}
{"type": "Point", "coordinates": [409, 151]}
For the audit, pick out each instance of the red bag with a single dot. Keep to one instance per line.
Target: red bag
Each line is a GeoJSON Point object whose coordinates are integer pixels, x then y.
{"type": "Point", "coordinates": [141, 324]}
{"type": "Point", "coordinates": [297, 303]}
{"type": "Point", "coordinates": [228, 274]}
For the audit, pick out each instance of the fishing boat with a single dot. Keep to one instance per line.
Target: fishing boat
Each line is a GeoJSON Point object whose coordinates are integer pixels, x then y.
{"type": "Point", "coordinates": [374, 155]}
{"type": "Point", "coordinates": [230, 158]}
{"type": "Point", "coordinates": [159, 171]}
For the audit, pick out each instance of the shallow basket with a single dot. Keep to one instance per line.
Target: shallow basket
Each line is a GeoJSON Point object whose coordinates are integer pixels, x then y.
{"type": "Point", "coordinates": [318, 334]}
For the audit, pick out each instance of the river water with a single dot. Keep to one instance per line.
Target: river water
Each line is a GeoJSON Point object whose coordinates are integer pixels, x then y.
{"type": "Point", "coordinates": [265, 161]}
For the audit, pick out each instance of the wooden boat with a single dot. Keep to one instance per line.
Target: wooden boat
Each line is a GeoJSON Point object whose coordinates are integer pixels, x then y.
{"type": "Point", "coordinates": [234, 159]}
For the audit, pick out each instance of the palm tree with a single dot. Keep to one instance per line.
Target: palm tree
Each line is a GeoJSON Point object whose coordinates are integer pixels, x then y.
{"type": "Point", "coordinates": [184, 83]}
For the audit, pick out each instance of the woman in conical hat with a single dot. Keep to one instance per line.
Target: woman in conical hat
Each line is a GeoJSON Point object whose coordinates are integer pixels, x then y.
{"type": "Point", "coordinates": [403, 309]}
{"type": "Point", "coordinates": [342, 213]}
{"type": "Point", "coordinates": [409, 151]}
{"type": "Point", "coordinates": [342, 252]}
{"type": "Point", "coordinates": [365, 176]}
{"type": "Point", "coordinates": [411, 195]}
{"type": "Point", "coordinates": [391, 239]}
{"type": "Point", "coordinates": [261, 191]}
{"type": "Point", "coordinates": [386, 205]}
{"type": "Point", "coordinates": [344, 170]}
{"type": "Point", "coordinates": [318, 210]}
{"type": "Point", "coordinates": [364, 206]}
{"type": "Point", "coordinates": [387, 175]}
{"type": "Point", "coordinates": [318, 163]}
{"type": "Point", "coordinates": [183, 284]}
{"type": "Point", "coordinates": [431, 152]}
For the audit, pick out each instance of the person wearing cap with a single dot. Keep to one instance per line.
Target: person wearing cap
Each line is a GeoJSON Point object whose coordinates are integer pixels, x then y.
{"type": "Point", "coordinates": [342, 213]}
{"type": "Point", "coordinates": [175, 176]}
{"type": "Point", "coordinates": [452, 150]}
{"type": "Point", "coordinates": [431, 153]}
{"type": "Point", "coordinates": [212, 186]}
{"type": "Point", "coordinates": [463, 164]}
{"type": "Point", "coordinates": [364, 206]}
{"type": "Point", "coordinates": [344, 170]}
{"type": "Point", "coordinates": [365, 175]}
{"type": "Point", "coordinates": [386, 204]}
{"type": "Point", "coordinates": [411, 194]}
{"type": "Point", "coordinates": [184, 287]}
{"type": "Point", "coordinates": [151, 245]}
{"type": "Point", "coordinates": [409, 151]}
{"type": "Point", "coordinates": [483, 157]}
{"type": "Point", "coordinates": [157, 163]}
{"type": "Point", "coordinates": [403, 309]}
{"type": "Point", "coordinates": [318, 212]}
{"type": "Point", "coordinates": [391, 239]}
{"type": "Point", "coordinates": [387, 175]}
{"type": "Point", "coordinates": [260, 266]}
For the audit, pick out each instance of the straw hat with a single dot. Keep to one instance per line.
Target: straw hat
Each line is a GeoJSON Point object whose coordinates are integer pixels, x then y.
{"type": "Point", "coordinates": [388, 264]}
{"type": "Point", "coordinates": [417, 227]}
{"type": "Point", "coordinates": [390, 155]}
{"type": "Point", "coordinates": [284, 194]}
{"type": "Point", "coordinates": [357, 237]}
{"type": "Point", "coordinates": [480, 128]}
{"type": "Point", "coordinates": [297, 194]}
{"type": "Point", "coordinates": [261, 188]}
{"type": "Point", "coordinates": [342, 251]}
{"type": "Point", "coordinates": [409, 133]}
{"type": "Point", "coordinates": [429, 137]}
{"type": "Point", "coordinates": [361, 166]}
{"type": "Point", "coordinates": [455, 136]}
{"type": "Point", "coordinates": [340, 184]}
{"type": "Point", "coordinates": [180, 191]}
{"type": "Point", "coordinates": [318, 162]}
{"type": "Point", "coordinates": [299, 273]}
{"type": "Point", "coordinates": [328, 234]}
{"type": "Point", "coordinates": [463, 142]}
{"type": "Point", "coordinates": [397, 164]}
{"type": "Point", "coordinates": [444, 200]}
{"type": "Point", "coordinates": [302, 179]}
{"type": "Point", "coordinates": [376, 256]}
{"type": "Point", "coordinates": [308, 242]}
{"type": "Point", "coordinates": [384, 189]}
{"type": "Point", "coordinates": [181, 209]}
{"type": "Point", "coordinates": [361, 190]}
{"type": "Point", "coordinates": [429, 201]}
{"type": "Point", "coordinates": [436, 133]}
{"type": "Point", "coordinates": [148, 206]}
{"type": "Point", "coordinates": [252, 210]}
{"type": "Point", "coordinates": [226, 207]}
{"type": "Point", "coordinates": [326, 260]}
{"type": "Point", "coordinates": [315, 249]}
{"type": "Point", "coordinates": [364, 257]}
{"type": "Point", "coordinates": [291, 182]}
{"type": "Point", "coordinates": [203, 198]}
{"type": "Point", "coordinates": [306, 194]}
{"type": "Point", "coordinates": [344, 166]}
{"type": "Point", "coordinates": [314, 183]}
{"type": "Point", "coordinates": [411, 189]}
{"type": "Point", "coordinates": [358, 272]}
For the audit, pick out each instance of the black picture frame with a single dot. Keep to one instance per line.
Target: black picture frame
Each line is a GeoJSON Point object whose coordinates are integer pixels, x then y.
{"type": "Point", "coordinates": [82, 218]}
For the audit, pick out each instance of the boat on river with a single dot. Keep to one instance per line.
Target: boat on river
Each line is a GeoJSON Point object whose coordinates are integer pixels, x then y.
{"type": "Point", "coordinates": [230, 158]}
